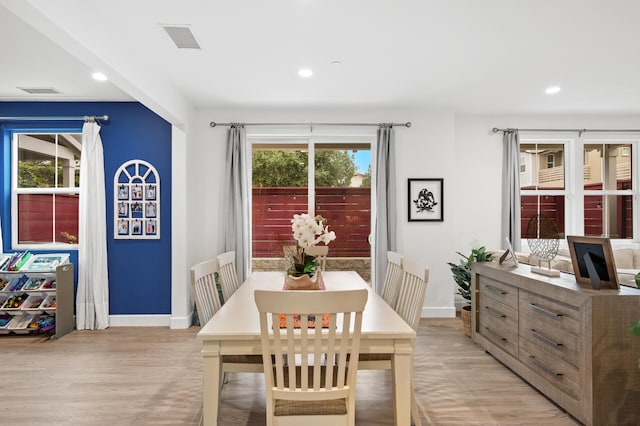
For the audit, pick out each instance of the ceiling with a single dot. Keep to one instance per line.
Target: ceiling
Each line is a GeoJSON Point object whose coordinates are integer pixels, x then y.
{"type": "Point", "coordinates": [465, 56]}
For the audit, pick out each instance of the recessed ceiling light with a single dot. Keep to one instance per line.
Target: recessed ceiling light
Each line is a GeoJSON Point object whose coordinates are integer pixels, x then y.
{"type": "Point", "coordinates": [305, 72]}
{"type": "Point", "coordinates": [552, 90]}
{"type": "Point", "coordinates": [336, 63]}
{"type": "Point", "coordinates": [99, 76]}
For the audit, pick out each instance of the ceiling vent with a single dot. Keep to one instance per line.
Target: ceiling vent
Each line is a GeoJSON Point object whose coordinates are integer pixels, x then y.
{"type": "Point", "coordinates": [40, 90]}
{"type": "Point", "coordinates": [182, 37]}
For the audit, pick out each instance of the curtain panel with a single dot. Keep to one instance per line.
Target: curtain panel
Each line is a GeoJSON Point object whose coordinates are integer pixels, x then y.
{"type": "Point", "coordinates": [386, 206]}
{"type": "Point", "coordinates": [236, 200]}
{"type": "Point", "coordinates": [510, 227]}
{"type": "Point", "coordinates": [92, 298]}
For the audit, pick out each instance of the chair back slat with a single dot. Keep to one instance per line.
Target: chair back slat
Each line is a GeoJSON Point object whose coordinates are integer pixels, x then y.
{"type": "Point", "coordinates": [228, 274]}
{"type": "Point", "coordinates": [321, 253]}
{"type": "Point", "coordinates": [392, 278]}
{"type": "Point", "coordinates": [303, 359]}
{"type": "Point", "coordinates": [412, 292]}
{"type": "Point", "coordinates": [205, 291]}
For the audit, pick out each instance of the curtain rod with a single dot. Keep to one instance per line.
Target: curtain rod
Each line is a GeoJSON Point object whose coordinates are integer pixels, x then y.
{"type": "Point", "coordinates": [407, 124]}
{"type": "Point", "coordinates": [579, 131]}
{"type": "Point", "coordinates": [74, 118]}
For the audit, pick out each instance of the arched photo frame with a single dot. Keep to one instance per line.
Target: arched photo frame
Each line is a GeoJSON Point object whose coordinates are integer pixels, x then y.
{"type": "Point", "coordinates": [136, 212]}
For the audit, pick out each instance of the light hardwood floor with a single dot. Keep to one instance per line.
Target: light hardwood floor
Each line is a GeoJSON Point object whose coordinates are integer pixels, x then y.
{"type": "Point", "coordinates": [153, 376]}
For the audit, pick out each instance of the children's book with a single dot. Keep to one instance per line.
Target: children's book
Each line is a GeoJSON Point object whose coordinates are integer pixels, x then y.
{"type": "Point", "coordinates": [45, 262]}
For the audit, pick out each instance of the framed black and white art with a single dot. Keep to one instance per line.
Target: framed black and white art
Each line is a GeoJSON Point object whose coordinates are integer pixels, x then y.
{"type": "Point", "coordinates": [426, 200]}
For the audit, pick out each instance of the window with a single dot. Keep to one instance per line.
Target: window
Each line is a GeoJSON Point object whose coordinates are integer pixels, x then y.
{"type": "Point", "coordinates": [45, 189]}
{"type": "Point", "coordinates": [608, 204]}
{"type": "Point", "coordinates": [323, 175]}
{"type": "Point", "coordinates": [585, 186]}
{"type": "Point", "coordinates": [542, 187]}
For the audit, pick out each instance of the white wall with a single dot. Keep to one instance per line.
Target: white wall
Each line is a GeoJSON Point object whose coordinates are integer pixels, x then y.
{"type": "Point", "coordinates": [424, 151]}
{"type": "Point", "coordinates": [461, 149]}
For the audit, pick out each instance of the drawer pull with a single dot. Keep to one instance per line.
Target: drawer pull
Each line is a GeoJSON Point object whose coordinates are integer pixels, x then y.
{"type": "Point", "coordinates": [545, 311]}
{"type": "Point", "coordinates": [545, 338]}
{"type": "Point", "coordinates": [496, 290]}
{"type": "Point", "coordinates": [504, 339]}
{"type": "Point", "coordinates": [544, 366]}
{"type": "Point", "coordinates": [495, 312]}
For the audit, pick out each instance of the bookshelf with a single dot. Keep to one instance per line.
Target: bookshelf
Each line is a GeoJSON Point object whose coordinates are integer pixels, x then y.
{"type": "Point", "coordinates": [36, 294]}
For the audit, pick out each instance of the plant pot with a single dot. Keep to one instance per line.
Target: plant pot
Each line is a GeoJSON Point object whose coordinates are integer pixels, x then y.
{"type": "Point", "coordinates": [465, 313]}
{"type": "Point", "coordinates": [303, 282]}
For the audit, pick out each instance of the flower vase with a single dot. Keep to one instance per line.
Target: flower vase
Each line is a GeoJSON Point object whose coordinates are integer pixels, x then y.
{"type": "Point", "coordinates": [302, 282]}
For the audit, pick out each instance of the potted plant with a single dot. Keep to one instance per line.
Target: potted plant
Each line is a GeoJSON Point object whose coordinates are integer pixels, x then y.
{"type": "Point", "coordinates": [462, 276]}
{"type": "Point", "coordinates": [307, 231]}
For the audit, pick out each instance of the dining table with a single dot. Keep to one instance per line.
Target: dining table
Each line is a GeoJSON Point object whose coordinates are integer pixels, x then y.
{"type": "Point", "coordinates": [235, 330]}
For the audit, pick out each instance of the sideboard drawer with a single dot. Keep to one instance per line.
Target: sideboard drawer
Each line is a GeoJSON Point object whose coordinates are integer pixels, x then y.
{"type": "Point", "coordinates": [555, 341]}
{"type": "Point", "coordinates": [498, 313]}
{"type": "Point", "coordinates": [558, 373]}
{"type": "Point", "coordinates": [549, 313]}
{"type": "Point", "coordinates": [499, 291]}
{"type": "Point", "coordinates": [499, 324]}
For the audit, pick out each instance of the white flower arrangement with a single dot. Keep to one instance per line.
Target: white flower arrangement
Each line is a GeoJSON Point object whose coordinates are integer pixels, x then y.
{"type": "Point", "coordinates": [308, 231]}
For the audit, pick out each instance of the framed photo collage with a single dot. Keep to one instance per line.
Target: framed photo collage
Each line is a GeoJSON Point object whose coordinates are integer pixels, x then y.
{"type": "Point", "coordinates": [137, 201]}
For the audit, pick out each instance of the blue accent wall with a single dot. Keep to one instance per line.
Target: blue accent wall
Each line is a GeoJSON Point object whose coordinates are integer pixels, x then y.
{"type": "Point", "coordinates": [139, 270]}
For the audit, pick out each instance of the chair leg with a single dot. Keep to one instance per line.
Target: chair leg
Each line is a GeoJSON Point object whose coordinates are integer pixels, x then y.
{"type": "Point", "coordinates": [415, 414]}
{"type": "Point", "coordinates": [225, 378]}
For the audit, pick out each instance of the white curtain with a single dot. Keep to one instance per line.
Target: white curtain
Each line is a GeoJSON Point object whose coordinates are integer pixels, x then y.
{"type": "Point", "coordinates": [511, 189]}
{"type": "Point", "coordinates": [236, 200]}
{"type": "Point", "coordinates": [92, 298]}
{"type": "Point", "coordinates": [386, 217]}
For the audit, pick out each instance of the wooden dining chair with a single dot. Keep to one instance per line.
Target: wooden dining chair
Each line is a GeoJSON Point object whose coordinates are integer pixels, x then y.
{"type": "Point", "coordinates": [206, 296]}
{"type": "Point", "coordinates": [319, 330]}
{"type": "Point", "coordinates": [205, 291]}
{"type": "Point", "coordinates": [228, 274]}
{"type": "Point", "coordinates": [413, 288]}
{"type": "Point", "coordinates": [321, 253]}
{"type": "Point", "coordinates": [392, 278]}
{"type": "Point", "coordinates": [411, 293]}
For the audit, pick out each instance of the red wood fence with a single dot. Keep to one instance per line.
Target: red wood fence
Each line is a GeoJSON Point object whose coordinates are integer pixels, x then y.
{"type": "Point", "coordinates": [36, 217]}
{"type": "Point", "coordinates": [553, 207]}
{"type": "Point", "coordinates": [347, 210]}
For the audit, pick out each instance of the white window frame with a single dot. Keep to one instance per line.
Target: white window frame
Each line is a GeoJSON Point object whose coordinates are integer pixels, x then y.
{"type": "Point", "coordinates": [15, 191]}
{"type": "Point", "coordinates": [567, 143]}
{"type": "Point", "coordinates": [574, 180]}
{"type": "Point", "coordinates": [324, 135]}
{"type": "Point", "coordinates": [634, 141]}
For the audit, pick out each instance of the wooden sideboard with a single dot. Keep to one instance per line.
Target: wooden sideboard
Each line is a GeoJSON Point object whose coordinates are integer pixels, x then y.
{"type": "Point", "coordinates": [569, 341]}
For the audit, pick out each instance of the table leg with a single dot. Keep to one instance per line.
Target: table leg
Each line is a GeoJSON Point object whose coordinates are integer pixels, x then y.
{"type": "Point", "coordinates": [402, 382]}
{"type": "Point", "coordinates": [212, 374]}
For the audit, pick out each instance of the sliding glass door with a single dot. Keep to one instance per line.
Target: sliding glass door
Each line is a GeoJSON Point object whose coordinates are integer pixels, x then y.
{"type": "Point", "coordinates": [328, 178]}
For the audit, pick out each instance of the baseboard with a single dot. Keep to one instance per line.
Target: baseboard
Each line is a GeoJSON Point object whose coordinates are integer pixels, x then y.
{"type": "Point", "coordinates": [139, 320]}
{"type": "Point", "coordinates": [444, 312]}
{"type": "Point", "coordinates": [179, 323]}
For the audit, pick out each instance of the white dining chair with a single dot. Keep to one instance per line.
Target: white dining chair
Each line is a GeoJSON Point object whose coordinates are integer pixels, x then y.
{"type": "Point", "coordinates": [411, 293]}
{"type": "Point", "coordinates": [318, 388]}
{"type": "Point", "coordinates": [413, 288]}
{"type": "Point", "coordinates": [321, 253]}
{"type": "Point", "coordinates": [205, 291]}
{"type": "Point", "coordinates": [228, 274]}
{"type": "Point", "coordinates": [206, 296]}
{"type": "Point", "coordinates": [392, 278]}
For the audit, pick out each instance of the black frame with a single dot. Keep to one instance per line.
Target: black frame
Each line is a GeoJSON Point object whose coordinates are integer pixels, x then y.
{"type": "Point", "coordinates": [600, 247]}
{"type": "Point", "coordinates": [427, 212]}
